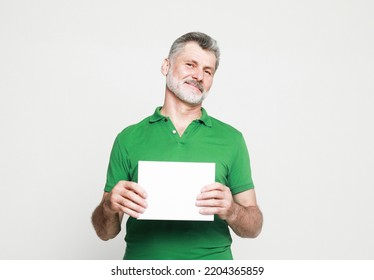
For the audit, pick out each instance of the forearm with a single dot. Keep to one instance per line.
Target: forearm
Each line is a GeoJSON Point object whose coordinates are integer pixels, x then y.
{"type": "Point", "coordinates": [245, 221]}
{"type": "Point", "coordinates": [107, 224]}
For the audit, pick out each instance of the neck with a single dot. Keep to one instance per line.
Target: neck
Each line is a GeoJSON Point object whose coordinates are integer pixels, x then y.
{"type": "Point", "coordinates": [180, 113]}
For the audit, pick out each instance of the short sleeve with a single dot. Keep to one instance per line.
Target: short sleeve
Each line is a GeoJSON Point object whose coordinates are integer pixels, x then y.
{"type": "Point", "coordinates": [118, 166]}
{"type": "Point", "coordinates": [240, 175]}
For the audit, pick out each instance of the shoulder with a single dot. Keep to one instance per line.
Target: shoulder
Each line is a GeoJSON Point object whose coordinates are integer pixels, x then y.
{"type": "Point", "coordinates": [225, 129]}
{"type": "Point", "coordinates": [133, 131]}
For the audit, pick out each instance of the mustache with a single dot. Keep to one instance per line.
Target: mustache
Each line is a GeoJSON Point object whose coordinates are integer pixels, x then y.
{"type": "Point", "coordinates": [196, 84]}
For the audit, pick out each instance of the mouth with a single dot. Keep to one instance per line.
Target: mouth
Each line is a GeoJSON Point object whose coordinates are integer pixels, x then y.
{"type": "Point", "coordinates": [195, 85]}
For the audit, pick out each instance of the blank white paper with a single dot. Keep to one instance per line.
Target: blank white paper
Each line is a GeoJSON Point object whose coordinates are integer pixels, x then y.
{"type": "Point", "coordinates": [172, 188]}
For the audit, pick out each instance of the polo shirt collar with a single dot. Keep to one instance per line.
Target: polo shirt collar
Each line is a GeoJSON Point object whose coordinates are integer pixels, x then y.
{"type": "Point", "coordinates": [157, 116]}
{"type": "Point", "coordinates": [205, 119]}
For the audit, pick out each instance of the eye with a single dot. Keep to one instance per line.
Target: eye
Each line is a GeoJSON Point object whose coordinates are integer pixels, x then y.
{"type": "Point", "coordinates": [208, 72]}
{"type": "Point", "coordinates": [189, 65]}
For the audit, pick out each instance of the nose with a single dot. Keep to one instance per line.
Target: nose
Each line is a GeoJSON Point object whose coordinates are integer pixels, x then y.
{"type": "Point", "coordinates": [198, 74]}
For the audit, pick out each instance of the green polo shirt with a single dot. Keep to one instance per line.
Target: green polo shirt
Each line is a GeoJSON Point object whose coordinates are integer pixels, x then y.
{"type": "Point", "coordinates": [205, 140]}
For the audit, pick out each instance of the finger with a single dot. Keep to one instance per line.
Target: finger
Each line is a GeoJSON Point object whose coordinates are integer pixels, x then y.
{"type": "Point", "coordinates": [128, 185]}
{"type": "Point", "coordinates": [133, 197]}
{"type": "Point", "coordinates": [211, 211]}
{"type": "Point", "coordinates": [131, 212]}
{"type": "Point", "coordinates": [136, 188]}
{"type": "Point", "coordinates": [212, 203]}
{"type": "Point", "coordinates": [123, 205]}
{"type": "Point", "coordinates": [128, 206]}
{"type": "Point", "coordinates": [213, 194]}
{"type": "Point", "coordinates": [125, 199]}
{"type": "Point", "coordinates": [213, 186]}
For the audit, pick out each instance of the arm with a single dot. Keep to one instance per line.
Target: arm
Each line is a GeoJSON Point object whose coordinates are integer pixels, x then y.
{"type": "Point", "coordinates": [245, 217]}
{"type": "Point", "coordinates": [125, 198]}
{"type": "Point", "coordinates": [240, 211]}
{"type": "Point", "coordinates": [107, 224]}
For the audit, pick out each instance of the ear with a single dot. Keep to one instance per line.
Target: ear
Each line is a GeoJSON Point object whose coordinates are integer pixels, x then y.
{"type": "Point", "coordinates": [165, 66]}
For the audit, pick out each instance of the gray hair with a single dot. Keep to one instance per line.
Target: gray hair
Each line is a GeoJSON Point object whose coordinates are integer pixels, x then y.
{"type": "Point", "coordinates": [203, 40]}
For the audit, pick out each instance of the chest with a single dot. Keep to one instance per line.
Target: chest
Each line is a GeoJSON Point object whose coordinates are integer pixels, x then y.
{"type": "Point", "coordinates": [197, 144]}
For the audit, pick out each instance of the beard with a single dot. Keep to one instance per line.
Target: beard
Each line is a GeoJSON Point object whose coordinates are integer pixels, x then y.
{"type": "Point", "coordinates": [186, 93]}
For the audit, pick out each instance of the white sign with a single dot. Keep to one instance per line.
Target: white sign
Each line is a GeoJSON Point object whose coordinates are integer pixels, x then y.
{"type": "Point", "coordinates": [173, 187]}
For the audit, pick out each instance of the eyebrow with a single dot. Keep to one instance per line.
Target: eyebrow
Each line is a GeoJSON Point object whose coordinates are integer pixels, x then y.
{"type": "Point", "coordinates": [205, 67]}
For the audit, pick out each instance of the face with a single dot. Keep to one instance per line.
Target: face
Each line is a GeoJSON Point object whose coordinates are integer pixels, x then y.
{"type": "Point", "coordinates": [189, 73]}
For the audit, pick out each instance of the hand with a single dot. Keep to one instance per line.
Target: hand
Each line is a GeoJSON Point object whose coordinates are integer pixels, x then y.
{"type": "Point", "coordinates": [126, 197]}
{"type": "Point", "coordinates": [215, 199]}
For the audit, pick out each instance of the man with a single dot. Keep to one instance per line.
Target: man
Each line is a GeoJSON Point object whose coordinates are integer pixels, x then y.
{"type": "Point", "coordinates": [181, 131]}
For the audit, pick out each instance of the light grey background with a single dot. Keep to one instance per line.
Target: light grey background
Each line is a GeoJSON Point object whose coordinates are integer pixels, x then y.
{"type": "Point", "coordinates": [296, 77]}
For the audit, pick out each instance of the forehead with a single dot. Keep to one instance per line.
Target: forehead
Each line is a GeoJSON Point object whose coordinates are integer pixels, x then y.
{"type": "Point", "coordinates": [193, 52]}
